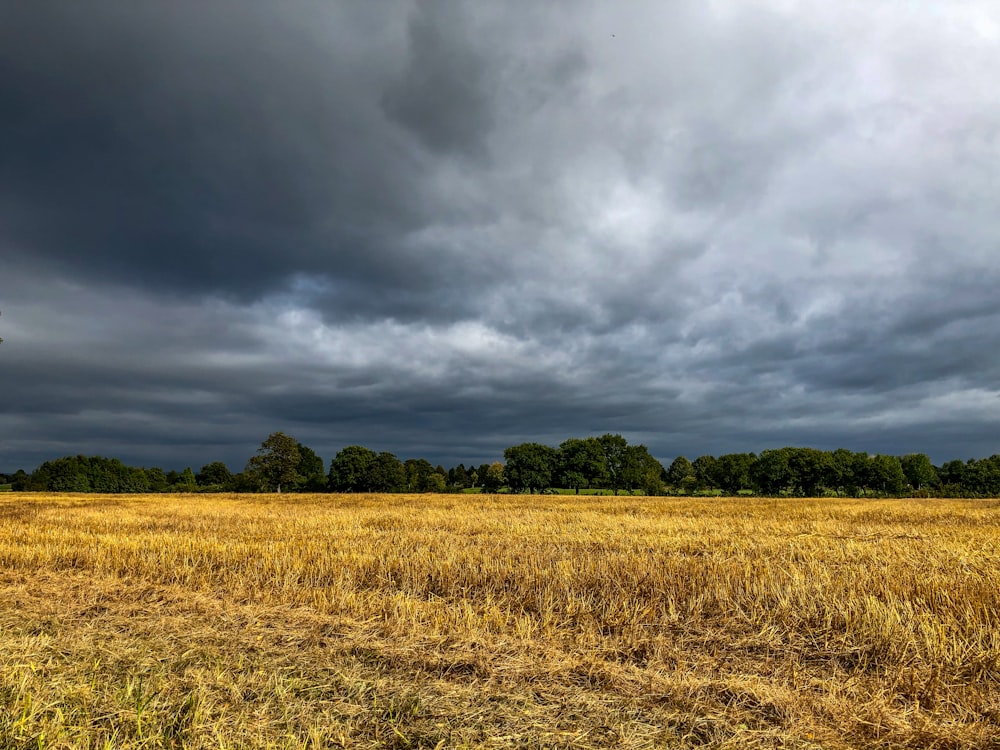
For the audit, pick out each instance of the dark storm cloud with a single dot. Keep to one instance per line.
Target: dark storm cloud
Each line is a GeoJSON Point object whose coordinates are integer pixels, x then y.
{"type": "Point", "coordinates": [190, 149]}
{"type": "Point", "coordinates": [442, 93]}
{"type": "Point", "coordinates": [440, 228]}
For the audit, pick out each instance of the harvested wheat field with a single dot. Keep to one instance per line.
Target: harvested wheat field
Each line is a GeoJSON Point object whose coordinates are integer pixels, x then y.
{"type": "Point", "coordinates": [298, 621]}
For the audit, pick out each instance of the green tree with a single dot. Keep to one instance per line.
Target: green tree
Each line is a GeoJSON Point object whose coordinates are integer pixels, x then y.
{"type": "Point", "coordinates": [811, 469]}
{"type": "Point", "coordinates": [418, 473]}
{"type": "Point", "coordinates": [773, 473]}
{"type": "Point", "coordinates": [436, 482]}
{"type": "Point", "coordinates": [680, 469]}
{"type": "Point", "coordinates": [88, 474]}
{"type": "Point", "coordinates": [990, 475]}
{"type": "Point", "coordinates": [842, 472]}
{"type": "Point", "coordinates": [276, 462]}
{"type": "Point", "coordinates": [481, 471]}
{"type": "Point", "coordinates": [952, 473]}
{"type": "Point", "coordinates": [642, 471]}
{"type": "Point", "coordinates": [580, 463]}
{"type": "Point", "coordinates": [886, 475]}
{"type": "Point", "coordinates": [351, 470]}
{"type": "Point", "coordinates": [68, 474]}
{"type": "Point", "coordinates": [616, 459]}
{"type": "Point", "coordinates": [387, 473]}
{"type": "Point", "coordinates": [494, 477]}
{"type": "Point", "coordinates": [246, 481]}
{"type": "Point", "coordinates": [19, 482]}
{"type": "Point", "coordinates": [919, 471]}
{"type": "Point", "coordinates": [981, 478]}
{"type": "Point", "coordinates": [101, 476]}
{"type": "Point", "coordinates": [972, 478]}
{"type": "Point", "coordinates": [862, 470]}
{"type": "Point", "coordinates": [215, 475]}
{"type": "Point", "coordinates": [156, 478]}
{"type": "Point", "coordinates": [186, 482]}
{"type": "Point", "coordinates": [311, 470]}
{"type": "Point", "coordinates": [529, 466]}
{"type": "Point", "coordinates": [458, 477]}
{"type": "Point", "coordinates": [704, 470]}
{"type": "Point", "coordinates": [735, 471]}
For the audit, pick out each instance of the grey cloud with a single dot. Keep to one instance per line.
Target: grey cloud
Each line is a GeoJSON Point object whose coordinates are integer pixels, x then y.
{"type": "Point", "coordinates": [441, 228]}
{"type": "Point", "coordinates": [442, 94]}
{"type": "Point", "coordinates": [189, 151]}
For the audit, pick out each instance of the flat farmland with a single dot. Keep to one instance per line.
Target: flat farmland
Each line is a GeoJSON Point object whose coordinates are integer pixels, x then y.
{"type": "Point", "coordinates": [449, 621]}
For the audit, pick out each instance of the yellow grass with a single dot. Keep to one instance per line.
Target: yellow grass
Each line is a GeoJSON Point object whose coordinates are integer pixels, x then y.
{"type": "Point", "coordinates": [497, 621]}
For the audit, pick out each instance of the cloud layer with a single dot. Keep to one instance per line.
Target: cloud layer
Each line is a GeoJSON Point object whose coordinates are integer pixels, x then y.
{"type": "Point", "coordinates": [440, 228]}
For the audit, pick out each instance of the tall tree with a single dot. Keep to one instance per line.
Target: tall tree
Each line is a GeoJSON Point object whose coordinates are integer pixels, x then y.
{"type": "Point", "coordinates": [981, 478]}
{"type": "Point", "coordinates": [529, 466]}
{"type": "Point", "coordinates": [276, 462]}
{"type": "Point", "coordinates": [436, 482]}
{"type": "Point", "coordinates": [187, 482]}
{"type": "Point", "coordinates": [69, 474]}
{"type": "Point", "coordinates": [20, 480]}
{"type": "Point", "coordinates": [735, 471]}
{"type": "Point", "coordinates": [842, 472]}
{"type": "Point", "coordinates": [811, 469]}
{"type": "Point", "coordinates": [616, 459]}
{"type": "Point", "coordinates": [387, 473]}
{"type": "Point", "coordinates": [919, 471]}
{"type": "Point", "coordinates": [88, 474]}
{"type": "Point", "coordinates": [458, 477]}
{"type": "Point", "coordinates": [680, 469]}
{"type": "Point", "coordinates": [215, 475]}
{"type": "Point", "coordinates": [990, 475]}
{"type": "Point", "coordinates": [952, 473]}
{"type": "Point", "coordinates": [311, 470]}
{"type": "Point", "coordinates": [580, 463]}
{"type": "Point", "coordinates": [886, 475]}
{"type": "Point", "coordinates": [773, 474]}
{"type": "Point", "coordinates": [861, 469]}
{"type": "Point", "coordinates": [642, 470]}
{"type": "Point", "coordinates": [351, 470]}
{"type": "Point", "coordinates": [494, 477]}
{"type": "Point", "coordinates": [704, 470]}
{"type": "Point", "coordinates": [418, 474]}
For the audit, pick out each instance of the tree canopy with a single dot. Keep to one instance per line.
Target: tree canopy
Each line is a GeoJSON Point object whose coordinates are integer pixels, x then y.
{"type": "Point", "coordinates": [276, 463]}
{"type": "Point", "coordinates": [529, 466]}
{"type": "Point", "coordinates": [580, 463]}
{"type": "Point", "coordinates": [608, 463]}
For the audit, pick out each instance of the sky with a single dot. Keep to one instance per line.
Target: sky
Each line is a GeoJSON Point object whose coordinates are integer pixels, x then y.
{"type": "Point", "coordinates": [443, 228]}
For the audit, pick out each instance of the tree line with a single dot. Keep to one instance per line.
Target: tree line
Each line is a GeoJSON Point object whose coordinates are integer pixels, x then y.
{"type": "Point", "coordinates": [607, 464]}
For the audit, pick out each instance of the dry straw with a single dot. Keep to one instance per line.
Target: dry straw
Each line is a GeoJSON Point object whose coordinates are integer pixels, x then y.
{"type": "Point", "coordinates": [497, 621]}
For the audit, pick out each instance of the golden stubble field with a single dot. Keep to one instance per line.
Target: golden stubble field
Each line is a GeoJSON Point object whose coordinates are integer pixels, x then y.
{"type": "Point", "coordinates": [296, 621]}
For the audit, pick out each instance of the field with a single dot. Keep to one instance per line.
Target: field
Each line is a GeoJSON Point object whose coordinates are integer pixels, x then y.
{"type": "Point", "coordinates": [497, 621]}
